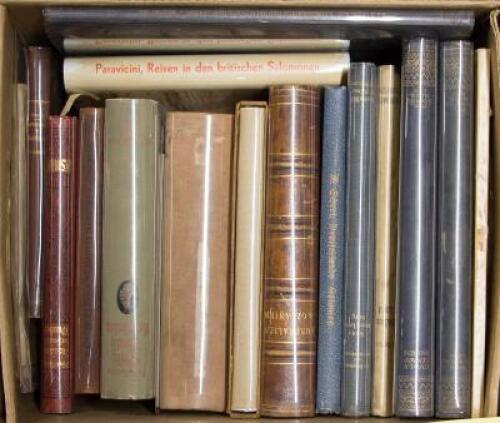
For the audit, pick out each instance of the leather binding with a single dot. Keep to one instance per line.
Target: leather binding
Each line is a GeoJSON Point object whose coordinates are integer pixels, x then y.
{"type": "Point", "coordinates": [386, 214]}
{"type": "Point", "coordinates": [57, 357]}
{"type": "Point", "coordinates": [455, 230]}
{"type": "Point", "coordinates": [38, 64]}
{"type": "Point", "coordinates": [197, 260]}
{"type": "Point", "coordinates": [331, 257]}
{"type": "Point", "coordinates": [289, 332]}
{"type": "Point", "coordinates": [249, 172]}
{"type": "Point", "coordinates": [26, 362]}
{"type": "Point", "coordinates": [359, 247]}
{"type": "Point", "coordinates": [417, 231]}
{"type": "Point", "coordinates": [88, 252]}
{"type": "Point", "coordinates": [130, 264]}
{"type": "Point", "coordinates": [492, 385]}
{"type": "Point", "coordinates": [481, 231]}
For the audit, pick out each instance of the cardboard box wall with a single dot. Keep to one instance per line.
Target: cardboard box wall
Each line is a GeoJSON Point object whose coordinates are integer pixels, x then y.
{"type": "Point", "coordinates": [20, 23]}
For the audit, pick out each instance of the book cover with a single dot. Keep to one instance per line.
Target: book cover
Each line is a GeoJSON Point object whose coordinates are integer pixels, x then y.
{"type": "Point", "coordinates": [481, 230]}
{"type": "Point", "coordinates": [130, 263]}
{"type": "Point", "coordinates": [248, 264]}
{"type": "Point", "coordinates": [289, 330]}
{"type": "Point", "coordinates": [197, 259]}
{"type": "Point", "coordinates": [359, 240]}
{"type": "Point", "coordinates": [89, 252]}
{"type": "Point", "coordinates": [386, 216]}
{"type": "Point", "coordinates": [455, 230]}
{"type": "Point", "coordinates": [201, 72]}
{"type": "Point", "coordinates": [331, 255]}
{"type": "Point", "coordinates": [38, 69]}
{"type": "Point", "coordinates": [414, 385]}
{"type": "Point", "coordinates": [57, 356]}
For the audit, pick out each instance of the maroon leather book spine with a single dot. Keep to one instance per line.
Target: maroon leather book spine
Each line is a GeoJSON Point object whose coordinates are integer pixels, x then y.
{"type": "Point", "coordinates": [288, 365]}
{"type": "Point", "coordinates": [56, 387]}
{"type": "Point", "coordinates": [38, 60]}
{"type": "Point", "coordinates": [88, 252]}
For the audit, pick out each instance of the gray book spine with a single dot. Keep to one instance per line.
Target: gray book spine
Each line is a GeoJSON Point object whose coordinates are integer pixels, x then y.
{"type": "Point", "coordinates": [359, 250]}
{"type": "Point", "coordinates": [332, 242]}
{"type": "Point", "coordinates": [455, 239]}
{"type": "Point", "coordinates": [417, 230]}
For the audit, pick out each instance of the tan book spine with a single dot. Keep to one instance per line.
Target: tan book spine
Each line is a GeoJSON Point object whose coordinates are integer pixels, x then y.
{"type": "Point", "coordinates": [79, 45]}
{"type": "Point", "coordinates": [18, 246]}
{"type": "Point", "coordinates": [204, 72]}
{"type": "Point", "coordinates": [197, 257]}
{"type": "Point", "coordinates": [492, 387]}
{"type": "Point", "coordinates": [386, 211]}
{"type": "Point", "coordinates": [480, 229]}
{"type": "Point", "coordinates": [248, 257]}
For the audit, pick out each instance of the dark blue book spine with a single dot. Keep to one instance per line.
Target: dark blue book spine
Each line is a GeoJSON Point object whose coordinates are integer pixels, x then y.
{"type": "Point", "coordinates": [332, 239]}
{"type": "Point", "coordinates": [359, 247]}
{"type": "Point", "coordinates": [455, 242]}
{"type": "Point", "coordinates": [417, 230]}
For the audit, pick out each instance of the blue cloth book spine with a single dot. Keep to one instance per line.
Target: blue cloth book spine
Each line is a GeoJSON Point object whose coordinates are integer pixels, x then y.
{"type": "Point", "coordinates": [331, 273]}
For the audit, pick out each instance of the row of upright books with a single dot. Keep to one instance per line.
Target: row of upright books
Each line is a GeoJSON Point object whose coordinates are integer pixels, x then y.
{"type": "Point", "coordinates": [320, 249]}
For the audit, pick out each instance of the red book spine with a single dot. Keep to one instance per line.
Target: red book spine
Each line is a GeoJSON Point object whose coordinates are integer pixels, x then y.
{"type": "Point", "coordinates": [88, 252]}
{"type": "Point", "coordinates": [56, 388]}
{"type": "Point", "coordinates": [38, 60]}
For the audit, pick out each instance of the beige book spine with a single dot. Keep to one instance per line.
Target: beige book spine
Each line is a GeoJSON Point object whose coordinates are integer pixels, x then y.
{"type": "Point", "coordinates": [203, 72]}
{"type": "Point", "coordinates": [248, 259]}
{"type": "Point", "coordinates": [385, 233]}
{"type": "Point", "coordinates": [492, 388]}
{"type": "Point", "coordinates": [480, 229]}
{"type": "Point", "coordinates": [79, 45]}
{"type": "Point", "coordinates": [18, 245]}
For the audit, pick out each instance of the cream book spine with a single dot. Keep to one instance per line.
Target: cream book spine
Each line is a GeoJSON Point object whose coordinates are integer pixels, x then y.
{"type": "Point", "coordinates": [492, 383]}
{"type": "Point", "coordinates": [202, 72]}
{"type": "Point", "coordinates": [80, 45]}
{"type": "Point", "coordinates": [386, 210]}
{"type": "Point", "coordinates": [248, 257]}
{"type": "Point", "coordinates": [480, 229]}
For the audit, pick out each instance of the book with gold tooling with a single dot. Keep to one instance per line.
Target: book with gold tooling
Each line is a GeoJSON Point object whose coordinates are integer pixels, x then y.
{"type": "Point", "coordinates": [289, 330]}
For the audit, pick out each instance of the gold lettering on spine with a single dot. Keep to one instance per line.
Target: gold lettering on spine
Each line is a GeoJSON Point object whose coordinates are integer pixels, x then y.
{"type": "Point", "coordinates": [60, 166]}
{"type": "Point", "coordinates": [57, 356]}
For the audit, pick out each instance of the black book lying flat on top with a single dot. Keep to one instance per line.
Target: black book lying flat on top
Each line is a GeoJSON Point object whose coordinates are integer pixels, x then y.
{"type": "Point", "coordinates": [238, 22]}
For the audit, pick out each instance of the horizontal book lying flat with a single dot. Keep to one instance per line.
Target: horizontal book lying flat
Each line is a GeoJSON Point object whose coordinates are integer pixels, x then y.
{"type": "Point", "coordinates": [140, 73]}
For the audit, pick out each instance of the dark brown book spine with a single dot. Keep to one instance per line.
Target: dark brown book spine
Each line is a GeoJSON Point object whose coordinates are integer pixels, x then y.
{"type": "Point", "coordinates": [88, 252]}
{"type": "Point", "coordinates": [38, 61]}
{"type": "Point", "coordinates": [56, 388]}
{"type": "Point", "coordinates": [288, 378]}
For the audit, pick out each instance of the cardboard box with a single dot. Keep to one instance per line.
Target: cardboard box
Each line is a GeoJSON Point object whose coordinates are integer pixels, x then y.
{"type": "Point", "coordinates": [21, 23]}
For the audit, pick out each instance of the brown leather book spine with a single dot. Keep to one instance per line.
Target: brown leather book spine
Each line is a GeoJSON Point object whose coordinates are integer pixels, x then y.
{"type": "Point", "coordinates": [288, 366]}
{"type": "Point", "coordinates": [56, 388]}
{"type": "Point", "coordinates": [88, 252]}
{"type": "Point", "coordinates": [38, 61]}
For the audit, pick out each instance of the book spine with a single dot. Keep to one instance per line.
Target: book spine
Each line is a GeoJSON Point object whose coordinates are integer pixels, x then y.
{"type": "Point", "coordinates": [248, 259]}
{"type": "Point", "coordinates": [80, 45]}
{"type": "Point", "coordinates": [88, 252]}
{"type": "Point", "coordinates": [38, 64]}
{"type": "Point", "coordinates": [56, 387]}
{"type": "Point", "coordinates": [190, 72]}
{"type": "Point", "coordinates": [198, 223]}
{"type": "Point", "coordinates": [481, 232]}
{"type": "Point", "coordinates": [417, 231]}
{"type": "Point", "coordinates": [455, 240]}
{"type": "Point", "coordinates": [288, 368]}
{"type": "Point", "coordinates": [18, 215]}
{"type": "Point", "coordinates": [129, 275]}
{"type": "Point", "coordinates": [386, 214]}
{"type": "Point", "coordinates": [359, 248]}
{"type": "Point", "coordinates": [332, 243]}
